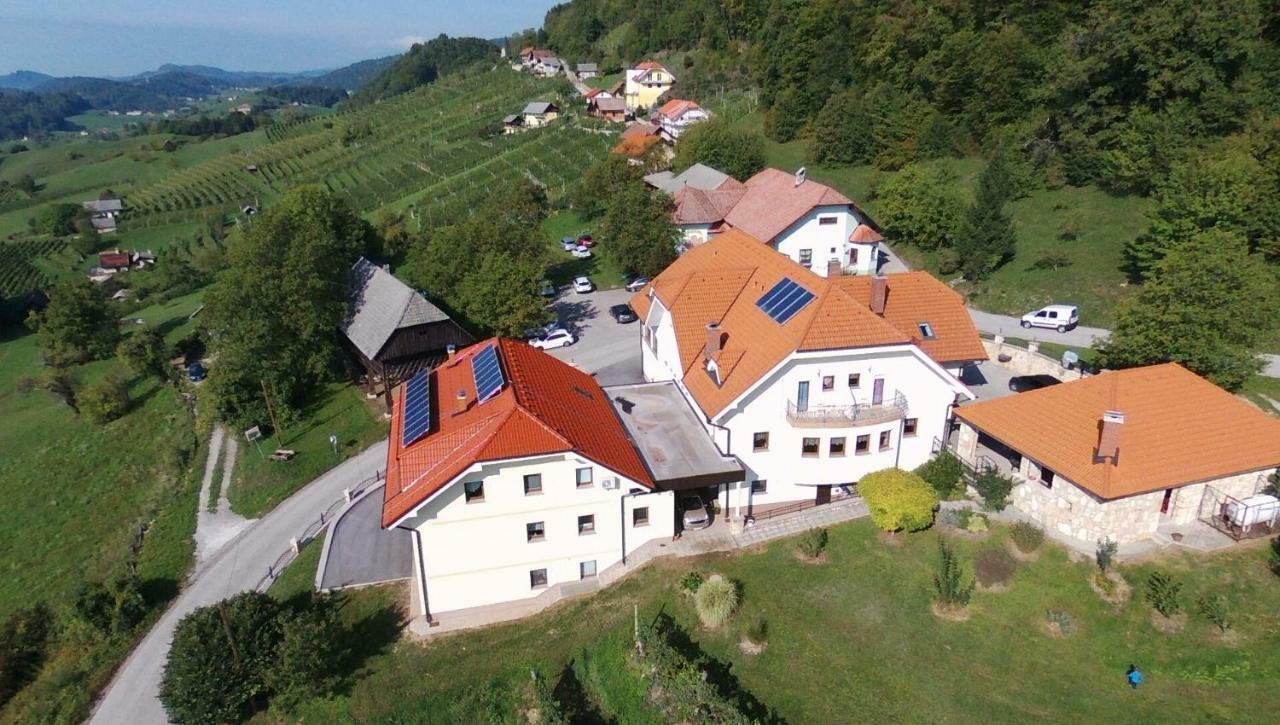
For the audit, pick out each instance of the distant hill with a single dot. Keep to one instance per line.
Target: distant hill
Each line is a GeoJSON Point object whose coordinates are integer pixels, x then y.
{"type": "Point", "coordinates": [23, 80]}
{"type": "Point", "coordinates": [108, 95]}
{"type": "Point", "coordinates": [179, 84]}
{"type": "Point", "coordinates": [351, 78]}
{"type": "Point", "coordinates": [227, 78]}
{"type": "Point", "coordinates": [423, 64]}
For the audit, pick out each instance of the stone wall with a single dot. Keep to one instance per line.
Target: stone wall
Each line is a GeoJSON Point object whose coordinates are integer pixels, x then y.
{"type": "Point", "coordinates": [1027, 361]}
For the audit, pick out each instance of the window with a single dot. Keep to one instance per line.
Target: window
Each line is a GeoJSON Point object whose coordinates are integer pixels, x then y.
{"type": "Point", "coordinates": [584, 477]}
{"type": "Point", "coordinates": [826, 221]}
{"type": "Point", "coordinates": [836, 447]}
{"type": "Point", "coordinates": [1046, 477]}
{"type": "Point", "coordinates": [854, 380]}
{"type": "Point", "coordinates": [640, 516]}
{"type": "Point", "coordinates": [536, 531]}
{"type": "Point", "coordinates": [533, 483]}
{"type": "Point", "coordinates": [473, 491]}
{"type": "Point", "coordinates": [853, 256]}
{"type": "Point", "coordinates": [587, 569]}
{"type": "Point", "coordinates": [806, 257]}
{"type": "Point", "coordinates": [587, 524]}
{"type": "Point", "coordinates": [760, 441]}
{"type": "Point", "coordinates": [828, 382]}
{"type": "Point", "coordinates": [809, 447]}
{"type": "Point", "coordinates": [537, 578]}
{"type": "Point", "coordinates": [909, 427]}
{"type": "Point", "coordinates": [759, 486]}
{"type": "Point", "coordinates": [884, 439]}
{"type": "Point", "coordinates": [862, 444]}
{"type": "Point", "coordinates": [926, 330]}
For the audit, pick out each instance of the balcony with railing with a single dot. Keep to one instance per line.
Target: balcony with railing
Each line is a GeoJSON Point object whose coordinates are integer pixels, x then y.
{"type": "Point", "coordinates": [845, 416]}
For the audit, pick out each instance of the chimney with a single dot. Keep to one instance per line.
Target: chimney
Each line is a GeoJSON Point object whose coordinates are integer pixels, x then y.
{"type": "Point", "coordinates": [452, 350]}
{"type": "Point", "coordinates": [834, 267]}
{"type": "Point", "coordinates": [460, 402]}
{"type": "Point", "coordinates": [879, 293]}
{"type": "Point", "coordinates": [713, 341]}
{"type": "Point", "coordinates": [1109, 435]}
{"type": "Point", "coordinates": [800, 175]}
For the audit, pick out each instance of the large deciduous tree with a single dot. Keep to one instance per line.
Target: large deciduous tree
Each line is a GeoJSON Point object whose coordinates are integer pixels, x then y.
{"type": "Point", "coordinates": [274, 314]}
{"type": "Point", "coordinates": [737, 152]}
{"type": "Point", "coordinates": [1209, 305]}
{"type": "Point", "coordinates": [638, 230]}
{"type": "Point", "coordinates": [923, 205]}
{"type": "Point", "coordinates": [604, 179]}
{"type": "Point", "coordinates": [76, 325]}
{"type": "Point", "coordinates": [500, 294]}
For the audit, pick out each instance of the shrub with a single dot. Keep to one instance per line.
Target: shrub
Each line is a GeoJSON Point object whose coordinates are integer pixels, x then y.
{"type": "Point", "coordinates": [757, 630]}
{"type": "Point", "coordinates": [309, 652]}
{"type": "Point", "coordinates": [947, 586]}
{"type": "Point", "coordinates": [812, 543]}
{"type": "Point", "coordinates": [1051, 261]}
{"type": "Point", "coordinates": [1216, 609]}
{"type": "Point", "coordinates": [1061, 620]}
{"type": "Point", "coordinates": [1026, 536]}
{"type": "Point", "coordinates": [24, 644]}
{"type": "Point", "coordinates": [994, 487]}
{"type": "Point", "coordinates": [945, 473]}
{"type": "Point", "coordinates": [898, 500]}
{"type": "Point", "coordinates": [1105, 554]}
{"type": "Point", "coordinates": [994, 567]}
{"type": "Point", "coordinates": [1273, 558]}
{"type": "Point", "coordinates": [976, 523]}
{"type": "Point", "coordinates": [680, 685]}
{"type": "Point", "coordinates": [690, 582]}
{"type": "Point", "coordinates": [113, 608]}
{"type": "Point", "coordinates": [105, 400]}
{"type": "Point", "coordinates": [715, 601]}
{"type": "Point", "coordinates": [1163, 592]}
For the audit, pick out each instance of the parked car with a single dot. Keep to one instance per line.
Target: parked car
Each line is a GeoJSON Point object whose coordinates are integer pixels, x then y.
{"type": "Point", "coordinates": [586, 240]}
{"type": "Point", "coordinates": [196, 372]}
{"type": "Point", "coordinates": [695, 511]}
{"type": "Point", "coordinates": [569, 243]}
{"type": "Point", "coordinates": [622, 314]}
{"type": "Point", "coordinates": [1023, 383]}
{"type": "Point", "coordinates": [554, 339]}
{"type": "Point", "coordinates": [546, 289]}
{"type": "Point", "coordinates": [583, 285]}
{"type": "Point", "coordinates": [1057, 317]}
{"type": "Point", "coordinates": [582, 253]}
{"type": "Point", "coordinates": [635, 284]}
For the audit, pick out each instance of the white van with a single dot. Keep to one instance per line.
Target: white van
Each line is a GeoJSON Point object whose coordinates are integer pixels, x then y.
{"type": "Point", "coordinates": [1058, 317]}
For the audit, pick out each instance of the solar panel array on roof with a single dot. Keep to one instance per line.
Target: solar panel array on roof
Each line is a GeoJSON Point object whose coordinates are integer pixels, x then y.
{"type": "Point", "coordinates": [784, 300]}
{"type": "Point", "coordinates": [487, 372]}
{"type": "Point", "coordinates": [417, 407]}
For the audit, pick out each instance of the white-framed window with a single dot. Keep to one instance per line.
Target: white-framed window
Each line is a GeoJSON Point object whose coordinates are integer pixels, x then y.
{"type": "Point", "coordinates": [532, 484]}
{"type": "Point", "coordinates": [587, 569]}
{"type": "Point", "coordinates": [587, 524]}
{"type": "Point", "coordinates": [806, 257]}
{"type": "Point", "coordinates": [535, 531]}
{"type": "Point", "coordinates": [640, 516]}
{"type": "Point", "coordinates": [473, 491]}
{"type": "Point", "coordinates": [584, 477]}
{"type": "Point", "coordinates": [537, 578]}
{"type": "Point", "coordinates": [826, 221]}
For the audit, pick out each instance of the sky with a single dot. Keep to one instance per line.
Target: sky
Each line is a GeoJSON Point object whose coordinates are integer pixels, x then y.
{"type": "Point", "coordinates": [123, 37]}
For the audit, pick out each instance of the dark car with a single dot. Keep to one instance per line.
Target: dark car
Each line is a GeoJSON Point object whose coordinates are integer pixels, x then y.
{"type": "Point", "coordinates": [587, 241]}
{"type": "Point", "coordinates": [1023, 383]}
{"type": "Point", "coordinates": [196, 372]}
{"type": "Point", "coordinates": [622, 314]}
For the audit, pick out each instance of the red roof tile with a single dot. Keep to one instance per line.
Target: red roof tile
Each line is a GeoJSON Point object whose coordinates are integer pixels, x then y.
{"type": "Point", "coordinates": [916, 297]}
{"type": "Point", "coordinates": [676, 107]}
{"type": "Point", "coordinates": [701, 206]}
{"type": "Point", "coordinates": [774, 202]}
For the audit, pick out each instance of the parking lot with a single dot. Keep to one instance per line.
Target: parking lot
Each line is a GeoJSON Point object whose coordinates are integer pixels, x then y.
{"type": "Point", "coordinates": [609, 350]}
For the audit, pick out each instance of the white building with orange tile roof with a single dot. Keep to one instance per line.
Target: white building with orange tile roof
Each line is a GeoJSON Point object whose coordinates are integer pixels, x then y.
{"type": "Point", "coordinates": [810, 382]}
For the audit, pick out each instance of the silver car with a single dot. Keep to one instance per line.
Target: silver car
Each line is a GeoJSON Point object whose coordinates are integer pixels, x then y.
{"type": "Point", "coordinates": [696, 515]}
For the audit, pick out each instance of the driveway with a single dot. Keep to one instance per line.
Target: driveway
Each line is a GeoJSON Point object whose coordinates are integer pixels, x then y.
{"type": "Point", "coordinates": [988, 380]}
{"type": "Point", "coordinates": [358, 551]}
{"type": "Point", "coordinates": [604, 348]}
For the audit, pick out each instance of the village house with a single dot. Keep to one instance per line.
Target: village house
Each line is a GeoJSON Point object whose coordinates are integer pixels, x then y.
{"type": "Point", "coordinates": [676, 116]}
{"type": "Point", "coordinates": [1125, 454]}
{"type": "Point", "coordinates": [600, 93]}
{"type": "Point", "coordinates": [519, 481]}
{"type": "Point", "coordinates": [115, 260]}
{"type": "Point", "coordinates": [392, 330]}
{"type": "Point", "coordinates": [512, 124]}
{"type": "Point", "coordinates": [811, 382]}
{"type": "Point", "coordinates": [548, 67]}
{"type": "Point", "coordinates": [637, 140]}
{"type": "Point", "coordinates": [588, 70]}
{"type": "Point", "coordinates": [608, 108]}
{"type": "Point", "coordinates": [104, 213]}
{"type": "Point", "coordinates": [530, 56]}
{"type": "Point", "coordinates": [703, 196]}
{"type": "Point", "coordinates": [645, 83]}
{"type": "Point", "coordinates": [539, 113]}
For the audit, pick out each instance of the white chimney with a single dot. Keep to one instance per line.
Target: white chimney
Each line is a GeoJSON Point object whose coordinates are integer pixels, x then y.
{"type": "Point", "coordinates": [800, 174]}
{"type": "Point", "coordinates": [1109, 435]}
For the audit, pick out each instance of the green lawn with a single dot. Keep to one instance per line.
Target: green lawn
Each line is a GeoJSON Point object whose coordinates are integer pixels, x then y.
{"type": "Point", "coordinates": [601, 268]}
{"type": "Point", "coordinates": [856, 635]}
{"type": "Point", "coordinates": [260, 483]}
{"type": "Point", "coordinates": [1259, 388]}
{"type": "Point", "coordinates": [300, 575]}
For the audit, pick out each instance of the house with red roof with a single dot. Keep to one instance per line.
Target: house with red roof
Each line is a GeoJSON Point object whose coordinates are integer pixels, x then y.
{"type": "Point", "coordinates": [810, 381]}
{"type": "Point", "coordinates": [677, 115]}
{"type": "Point", "coordinates": [645, 84]}
{"type": "Point", "coordinates": [519, 480]}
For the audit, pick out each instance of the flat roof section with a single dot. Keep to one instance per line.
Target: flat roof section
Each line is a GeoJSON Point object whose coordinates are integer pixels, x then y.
{"type": "Point", "coordinates": [676, 447]}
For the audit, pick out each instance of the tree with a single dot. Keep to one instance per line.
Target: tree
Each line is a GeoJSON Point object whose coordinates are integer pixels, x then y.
{"type": "Point", "coordinates": [58, 220]}
{"type": "Point", "coordinates": [638, 230]}
{"type": "Point", "coordinates": [62, 383]}
{"type": "Point", "coordinates": [899, 500]}
{"type": "Point", "coordinates": [112, 608]}
{"type": "Point", "coordinates": [948, 588]}
{"type": "Point", "coordinates": [986, 239]}
{"type": "Point", "coordinates": [944, 472]}
{"type": "Point", "coordinates": [501, 296]}
{"type": "Point", "coordinates": [309, 654]}
{"type": "Point", "coordinates": [716, 143]}
{"type": "Point", "coordinates": [1209, 306]}
{"type": "Point", "coordinates": [602, 181]}
{"type": "Point", "coordinates": [842, 132]}
{"type": "Point", "coordinates": [76, 325]}
{"type": "Point", "coordinates": [220, 658]}
{"type": "Point", "coordinates": [105, 400]}
{"type": "Point", "coordinates": [275, 313]}
{"type": "Point", "coordinates": [923, 205]}
{"type": "Point", "coordinates": [146, 353]}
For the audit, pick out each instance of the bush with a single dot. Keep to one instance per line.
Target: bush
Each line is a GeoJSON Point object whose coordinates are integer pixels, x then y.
{"type": "Point", "coordinates": [812, 543]}
{"type": "Point", "coordinates": [113, 608]}
{"type": "Point", "coordinates": [105, 400]}
{"type": "Point", "coordinates": [757, 630]}
{"type": "Point", "coordinates": [680, 685]}
{"type": "Point", "coordinates": [975, 522]}
{"type": "Point", "coordinates": [1026, 536]}
{"type": "Point", "coordinates": [1216, 609]}
{"type": "Point", "coordinates": [1051, 261]}
{"type": "Point", "coordinates": [1105, 554]}
{"type": "Point", "coordinates": [1163, 592]}
{"type": "Point", "coordinates": [307, 658]}
{"type": "Point", "coordinates": [994, 487]}
{"type": "Point", "coordinates": [994, 567]}
{"type": "Point", "coordinates": [948, 590]}
{"type": "Point", "coordinates": [945, 473]}
{"type": "Point", "coordinates": [715, 601]}
{"type": "Point", "coordinates": [690, 582]}
{"type": "Point", "coordinates": [898, 500]}
{"type": "Point", "coordinates": [1273, 557]}
{"type": "Point", "coordinates": [24, 644]}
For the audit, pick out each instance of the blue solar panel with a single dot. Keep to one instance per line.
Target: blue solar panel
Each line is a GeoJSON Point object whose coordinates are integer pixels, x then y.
{"type": "Point", "coordinates": [784, 300]}
{"type": "Point", "coordinates": [417, 407]}
{"type": "Point", "coordinates": [487, 372]}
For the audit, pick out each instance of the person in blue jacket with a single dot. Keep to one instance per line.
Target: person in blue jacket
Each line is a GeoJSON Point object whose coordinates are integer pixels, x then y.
{"type": "Point", "coordinates": [1134, 675]}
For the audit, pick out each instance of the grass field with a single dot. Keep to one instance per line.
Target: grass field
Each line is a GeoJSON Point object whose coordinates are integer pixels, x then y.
{"type": "Point", "coordinates": [856, 635]}
{"type": "Point", "coordinates": [1259, 389]}
{"type": "Point", "coordinates": [601, 267]}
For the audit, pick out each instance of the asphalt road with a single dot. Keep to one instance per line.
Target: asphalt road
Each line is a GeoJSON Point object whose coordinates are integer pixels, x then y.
{"type": "Point", "coordinates": [609, 350]}
{"type": "Point", "coordinates": [131, 698]}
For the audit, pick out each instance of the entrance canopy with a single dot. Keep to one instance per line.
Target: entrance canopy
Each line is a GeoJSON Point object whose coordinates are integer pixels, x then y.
{"type": "Point", "coordinates": [674, 445]}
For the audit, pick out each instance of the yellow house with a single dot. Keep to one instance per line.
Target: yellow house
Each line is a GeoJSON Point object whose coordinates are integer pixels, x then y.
{"type": "Point", "coordinates": [645, 83]}
{"type": "Point", "coordinates": [539, 113]}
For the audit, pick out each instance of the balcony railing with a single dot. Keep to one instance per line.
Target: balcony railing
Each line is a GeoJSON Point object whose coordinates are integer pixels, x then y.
{"type": "Point", "coordinates": [843, 416]}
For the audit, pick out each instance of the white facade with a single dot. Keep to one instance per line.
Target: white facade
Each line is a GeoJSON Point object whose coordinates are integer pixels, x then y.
{"type": "Point", "coordinates": [691, 235]}
{"type": "Point", "coordinates": [644, 86]}
{"type": "Point", "coordinates": [822, 235]}
{"type": "Point", "coordinates": [479, 552]}
{"type": "Point", "coordinates": [915, 398]}
{"type": "Point", "coordinates": [673, 128]}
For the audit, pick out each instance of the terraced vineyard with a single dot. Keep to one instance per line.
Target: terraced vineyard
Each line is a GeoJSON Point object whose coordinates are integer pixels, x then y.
{"type": "Point", "coordinates": [427, 150]}
{"type": "Point", "coordinates": [18, 270]}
